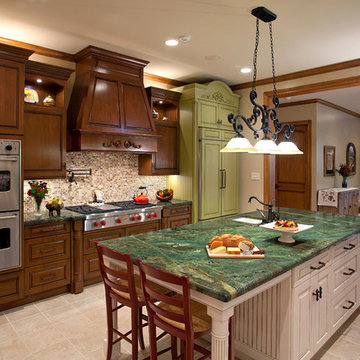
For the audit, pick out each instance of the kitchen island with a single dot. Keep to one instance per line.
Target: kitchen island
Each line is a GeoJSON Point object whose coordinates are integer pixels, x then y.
{"type": "Point", "coordinates": [272, 298]}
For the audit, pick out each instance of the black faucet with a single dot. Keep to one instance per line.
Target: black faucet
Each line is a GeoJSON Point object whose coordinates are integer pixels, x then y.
{"type": "Point", "coordinates": [271, 216]}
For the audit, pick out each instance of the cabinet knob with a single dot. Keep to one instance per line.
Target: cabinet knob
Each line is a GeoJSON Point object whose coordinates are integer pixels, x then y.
{"type": "Point", "coordinates": [8, 147]}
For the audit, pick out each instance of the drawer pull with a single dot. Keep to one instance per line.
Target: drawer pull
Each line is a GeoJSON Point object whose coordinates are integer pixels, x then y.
{"type": "Point", "coordinates": [351, 246]}
{"type": "Point", "coordinates": [351, 271]}
{"type": "Point", "coordinates": [320, 292]}
{"type": "Point", "coordinates": [53, 276]}
{"type": "Point", "coordinates": [349, 307]}
{"type": "Point", "coordinates": [321, 265]}
{"type": "Point", "coordinates": [316, 294]}
{"type": "Point", "coordinates": [47, 251]}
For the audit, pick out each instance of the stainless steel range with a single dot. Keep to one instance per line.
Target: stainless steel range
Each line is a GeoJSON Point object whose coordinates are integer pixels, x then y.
{"type": "Point", "coordinates": [118, 213]}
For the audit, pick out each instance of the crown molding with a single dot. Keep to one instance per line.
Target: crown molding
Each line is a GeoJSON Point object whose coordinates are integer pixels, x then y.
{"type": "Point", "coordinates": [303, 73]}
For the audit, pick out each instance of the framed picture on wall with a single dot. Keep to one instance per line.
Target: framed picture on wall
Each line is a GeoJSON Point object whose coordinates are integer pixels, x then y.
{"type": "Point", "coordinates": [329, 160]}
{"type": "Point", "coordinates": [351, 157]}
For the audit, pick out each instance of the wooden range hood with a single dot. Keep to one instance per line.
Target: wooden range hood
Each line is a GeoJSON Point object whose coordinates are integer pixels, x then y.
{"type": "Point", "coordinates": [108, 109]}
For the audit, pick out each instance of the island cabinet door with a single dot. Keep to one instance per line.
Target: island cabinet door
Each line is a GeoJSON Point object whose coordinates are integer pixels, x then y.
{"type": "Point", "coordinates": [321, 324]}
{"type": "Point", "coordinates": [302, 319]}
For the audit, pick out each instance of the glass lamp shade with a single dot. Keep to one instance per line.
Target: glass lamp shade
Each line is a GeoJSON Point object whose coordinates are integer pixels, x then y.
{"type": "Point", "coordinates": [287, 147]}
{"type": "Point", "coordinates": [237, 144]}
{"type": "Point", "coordinates": [265, 146]}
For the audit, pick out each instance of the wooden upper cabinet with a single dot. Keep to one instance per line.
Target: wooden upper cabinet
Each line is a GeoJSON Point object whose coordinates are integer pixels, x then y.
{"type": "Point", "coordinates": [108, 109]}
{"type": "Point", "coordinates": [12, 60]}
{"type": "Point", "coordinates": [45, 126]}
{"type": "Point", "coordinates": [165, 107]}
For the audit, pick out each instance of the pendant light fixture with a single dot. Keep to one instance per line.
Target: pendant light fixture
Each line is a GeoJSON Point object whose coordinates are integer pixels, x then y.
{"type": "Point", "coordinates": [265, 114]}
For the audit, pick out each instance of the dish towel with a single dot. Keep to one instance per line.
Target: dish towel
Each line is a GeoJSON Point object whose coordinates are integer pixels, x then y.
{"type": "Point", "coordinates": [329, 197]}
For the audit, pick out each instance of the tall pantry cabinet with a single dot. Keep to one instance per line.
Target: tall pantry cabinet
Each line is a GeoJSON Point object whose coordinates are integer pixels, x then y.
{"type": "Point", "coordinates": [207, 177]}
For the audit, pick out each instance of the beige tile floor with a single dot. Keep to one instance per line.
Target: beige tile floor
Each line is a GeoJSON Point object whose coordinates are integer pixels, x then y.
{"type": "Point", "coordinates": [73, 327]}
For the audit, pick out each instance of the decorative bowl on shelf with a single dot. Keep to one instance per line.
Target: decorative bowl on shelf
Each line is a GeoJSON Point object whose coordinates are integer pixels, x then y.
{"type": "Point", "coordinates": [30, 96]}
{"type": "Point", "coordinates": [49, 101]}
{"type": "Point", "coordinates": [165, 195]}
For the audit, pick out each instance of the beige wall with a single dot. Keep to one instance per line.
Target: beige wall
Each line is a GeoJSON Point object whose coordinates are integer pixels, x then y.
{"type": "Point", "coordinates": [254, 163]}
{"type": "Point", "coordinates": [336, 128]}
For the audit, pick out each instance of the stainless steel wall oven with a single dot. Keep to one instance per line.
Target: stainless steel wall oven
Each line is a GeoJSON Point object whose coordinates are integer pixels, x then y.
{"type": "Point", "coordinates": [10, 195]}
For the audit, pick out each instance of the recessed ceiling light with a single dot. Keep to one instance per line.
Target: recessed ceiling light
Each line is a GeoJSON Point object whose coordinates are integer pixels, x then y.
{"type": "Point", "coordinates": [39, 80]}
{"type": "Point", "coordinates": [171, 42]}
{"type": "Point", "coordinates": [160, 102]}
{"type": "Point", "coordinates": [245, 70]}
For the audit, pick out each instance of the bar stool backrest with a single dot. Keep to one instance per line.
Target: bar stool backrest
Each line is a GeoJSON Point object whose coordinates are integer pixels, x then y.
{"type": "Point", "coordinates": [179, 303]}
{"type": "Point", "coordinates": [117, 271]}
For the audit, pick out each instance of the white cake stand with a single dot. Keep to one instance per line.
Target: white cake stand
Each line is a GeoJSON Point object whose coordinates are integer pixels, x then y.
{"type": "Point", "coordinates": [286, 235]}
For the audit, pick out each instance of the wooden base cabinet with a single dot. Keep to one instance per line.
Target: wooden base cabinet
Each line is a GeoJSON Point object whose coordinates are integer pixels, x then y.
{"type": "Point", "coordinates": [11, 287]}
{"type": "Point", "coordinates": [176, 216]}
{"type": "Point", "coordinates": [347, 203]}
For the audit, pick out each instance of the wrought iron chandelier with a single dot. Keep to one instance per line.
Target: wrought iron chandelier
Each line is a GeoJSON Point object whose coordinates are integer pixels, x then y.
{"type": "Point", "coordinates": [264, 113]}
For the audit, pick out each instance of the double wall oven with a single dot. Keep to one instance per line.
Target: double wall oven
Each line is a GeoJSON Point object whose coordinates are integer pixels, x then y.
{"type": "Point", "coordinates": [10, 190]}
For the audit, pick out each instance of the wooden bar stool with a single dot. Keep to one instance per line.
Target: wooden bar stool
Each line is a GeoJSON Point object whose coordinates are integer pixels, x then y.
{"type": "Point", "coordinates": [177, 315]}
{"type": "Point", "coordinates": [124, 287]}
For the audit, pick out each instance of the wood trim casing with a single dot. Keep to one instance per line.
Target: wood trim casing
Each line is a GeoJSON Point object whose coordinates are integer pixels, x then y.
{"type": "Point", "coordinates": [322, 102]}
{"type": "Point", "coordinates": [303, 73]}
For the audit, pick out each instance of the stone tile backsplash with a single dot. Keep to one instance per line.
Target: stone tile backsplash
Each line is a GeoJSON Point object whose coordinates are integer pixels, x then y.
{"type": "Point", "coordinates": [115, 174]}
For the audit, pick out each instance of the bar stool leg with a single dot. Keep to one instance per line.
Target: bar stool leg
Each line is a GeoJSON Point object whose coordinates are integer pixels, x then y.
{"type": "Point", "coordinates": [152, 338]}
{"type": "Point", "coordinates": [134, 332]}
{"type": "Point", "coordinates": [109, 327]}
{"type": "Point", "coordinates": [141, 334]}
{"type": "Point", "coordinates": [173, 347]}
{"type": "Point", "coordinates": [116, 348]}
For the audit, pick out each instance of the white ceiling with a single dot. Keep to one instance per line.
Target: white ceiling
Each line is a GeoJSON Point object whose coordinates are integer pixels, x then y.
{"type": "Point", "coordinates": [307, 33]}
{"type": "Point", "coordinates": [348, 98]}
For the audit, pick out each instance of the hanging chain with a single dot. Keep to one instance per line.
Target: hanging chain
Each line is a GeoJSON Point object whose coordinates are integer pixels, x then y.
{"type": "Point", "coordinates": [272, 57]}
{"type": "Point", "coordinates": [255, 53]}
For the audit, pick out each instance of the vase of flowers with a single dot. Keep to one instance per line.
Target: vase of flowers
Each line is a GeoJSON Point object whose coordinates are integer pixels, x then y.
{"type": "Point", "coordinates": [38, 190]}
{"type": "Point", "coordinates": [344, 171]}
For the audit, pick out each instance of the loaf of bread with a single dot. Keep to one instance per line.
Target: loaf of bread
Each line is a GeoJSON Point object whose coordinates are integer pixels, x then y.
{"type": "Point", "coordinates": [215, 244]}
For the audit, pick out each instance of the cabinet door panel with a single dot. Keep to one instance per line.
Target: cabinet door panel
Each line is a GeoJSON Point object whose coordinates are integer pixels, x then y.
{"type": "Point", "coordinates": [208, 114]}
{"type": "Point", "coordinates": [302, 334]}
{"type": "Point", "coordinates": [210, 202]}
{"type": "Point", "coordinates": [11, 97]}
{"type": "Point", "coordinates": [230, 194]}
{"type": "Point", "coordinates": [224, 111]}
{"type": "Point", "coordinates": [44, 143]}
{"type": "Point", "coordinates": [321, 314]}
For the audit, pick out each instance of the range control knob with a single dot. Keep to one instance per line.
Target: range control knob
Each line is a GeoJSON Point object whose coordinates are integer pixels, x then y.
{"type": "Point", "coordinates": [133, 218]}
{"type": "Point", "coordinates": [96, 223]}
{"type": "Point", "coordinates": [139, 217]}
{"type": "Point", "coordinates": [149, 216]}
{"type": "Point", "coordinates": [8, 147]}
{"type": "Point", "coordinates": [103, 222]}
{"type": "Point", "coordinates": [118, 221]}
{"type": "Point", "coordinates": [155, 215]}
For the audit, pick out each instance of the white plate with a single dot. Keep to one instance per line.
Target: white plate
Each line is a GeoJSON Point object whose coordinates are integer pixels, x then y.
{"type": "Point", "coordinates": [248, 220]}
{"type": "Point", "coordinates": [286, 234]}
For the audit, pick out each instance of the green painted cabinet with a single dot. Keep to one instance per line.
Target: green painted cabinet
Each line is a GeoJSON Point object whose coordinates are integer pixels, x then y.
{"type": "Point", "coordinates": [207, 177]}
{"type": "Point", "coordinates": [218, 188]}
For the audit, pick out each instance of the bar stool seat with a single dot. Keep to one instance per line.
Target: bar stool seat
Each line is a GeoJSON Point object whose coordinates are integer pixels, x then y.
{"type": "Point", "coordinates": [139, 292]}
{"type": "Point", "coordinates": [200, 319]}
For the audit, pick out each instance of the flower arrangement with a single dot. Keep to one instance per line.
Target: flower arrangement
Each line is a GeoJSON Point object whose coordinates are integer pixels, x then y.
{"type": "Point", "coordinates": [38, 190]}
{"type": "Point", "coordinates": [344, 170]}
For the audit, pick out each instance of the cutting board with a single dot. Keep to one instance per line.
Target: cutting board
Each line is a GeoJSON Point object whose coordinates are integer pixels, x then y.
{"type": "Point", "coordinates": [234, 256]}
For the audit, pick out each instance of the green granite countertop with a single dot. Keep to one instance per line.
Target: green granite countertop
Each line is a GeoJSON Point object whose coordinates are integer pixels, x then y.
{"type": "Point", "coordinates": [181, 250]}
{"type": "Point", "coordinates": [65, 215]}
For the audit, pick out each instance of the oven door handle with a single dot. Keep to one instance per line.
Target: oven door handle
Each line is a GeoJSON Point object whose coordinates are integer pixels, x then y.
{"type": "Point", "coordinates": [8, 217]}
{"type": "Point", "coordinates": [9, 158]}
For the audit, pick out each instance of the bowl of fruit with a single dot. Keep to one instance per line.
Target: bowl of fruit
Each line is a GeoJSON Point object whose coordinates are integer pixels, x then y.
{"type": "Point", "coordinates": [54, 204]}
{"type": "Point", "coordinates": [165, 195]}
